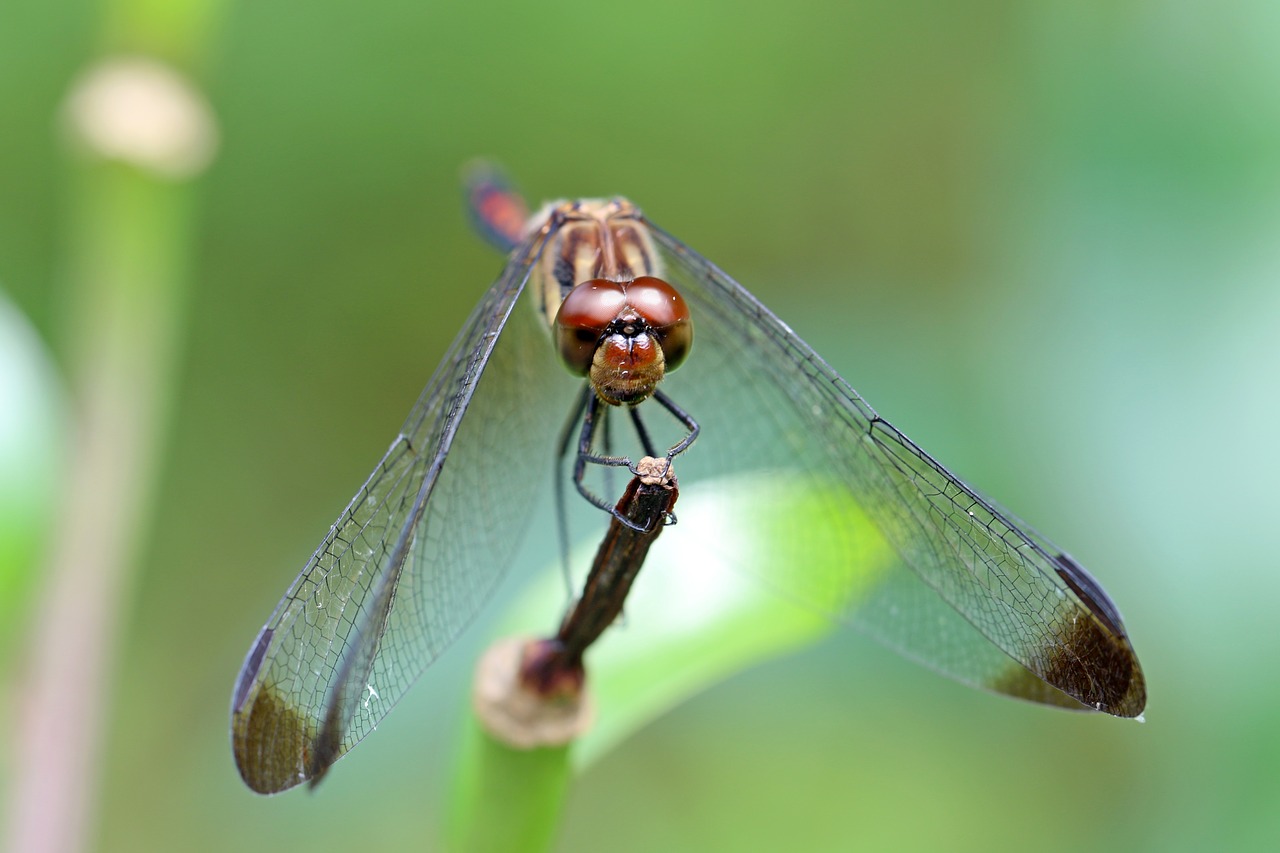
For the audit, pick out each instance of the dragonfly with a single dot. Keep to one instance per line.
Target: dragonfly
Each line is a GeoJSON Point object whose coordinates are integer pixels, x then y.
{"type": "Point", "coordinates": [974, 593]}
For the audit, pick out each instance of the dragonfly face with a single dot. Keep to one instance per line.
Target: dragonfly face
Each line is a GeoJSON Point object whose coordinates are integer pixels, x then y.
{"type": "Point", "coordinates": [623, 335]}
{"type": "Point", "coordinates": [977, 594]}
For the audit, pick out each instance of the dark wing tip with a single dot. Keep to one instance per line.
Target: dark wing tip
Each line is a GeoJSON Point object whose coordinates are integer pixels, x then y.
{"type": "Point", "coordinates": [1097, 667]}
{"type": "Point", "coordinates": [1085, 664]}
{"type": "Point", "coordinates": [1086, 668]}
{"type": "Point", "coordinates": [272, 742]}
{"type": "Point", "coordinates": [1093, 659]}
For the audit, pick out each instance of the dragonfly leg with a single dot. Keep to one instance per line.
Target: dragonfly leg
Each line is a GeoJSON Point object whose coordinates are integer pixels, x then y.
{"type": "Point", "coordinates": [684, 418]}
{"type": "Point", "coordinates": [591, 417]}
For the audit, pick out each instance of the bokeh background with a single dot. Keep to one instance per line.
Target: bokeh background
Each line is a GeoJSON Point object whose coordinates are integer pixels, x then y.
{"type": "Point", "coordinates": [1043, 238]}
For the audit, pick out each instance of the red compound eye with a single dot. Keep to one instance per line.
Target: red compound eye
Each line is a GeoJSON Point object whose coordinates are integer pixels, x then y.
{"type": "Point", "coordinates": [583, 318]}
{"type": "Point", "coordinates": [664, 310]}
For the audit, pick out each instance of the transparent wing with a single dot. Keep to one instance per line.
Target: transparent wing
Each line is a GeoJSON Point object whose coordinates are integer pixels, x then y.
{"type": "Point", "coordinates": [419, 550]}
{"type": "Point", "coordinates": [978, 596]}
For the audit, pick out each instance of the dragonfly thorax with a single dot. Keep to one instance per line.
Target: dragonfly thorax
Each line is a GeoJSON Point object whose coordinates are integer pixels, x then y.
{"type": "Point", "coordinates": [590, 239]}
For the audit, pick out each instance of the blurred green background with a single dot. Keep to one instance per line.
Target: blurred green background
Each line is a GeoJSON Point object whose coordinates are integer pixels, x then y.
{"type": "Point", "coordinates": [1043, 238]}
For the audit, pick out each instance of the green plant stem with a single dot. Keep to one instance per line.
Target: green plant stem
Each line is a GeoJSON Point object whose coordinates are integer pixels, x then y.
{"type": "Point", "coordinates": [506, 798]}
{"type": "Point", "coordinates": [129, 239]}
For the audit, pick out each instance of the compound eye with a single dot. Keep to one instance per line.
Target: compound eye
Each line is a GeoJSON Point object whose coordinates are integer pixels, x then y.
{"type": "Point", "coordinates": [664, 310]}
{"type": "Point", "coordinates": [582, 319]}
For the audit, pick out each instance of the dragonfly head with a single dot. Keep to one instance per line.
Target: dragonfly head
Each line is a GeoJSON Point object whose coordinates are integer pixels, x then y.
{"type": "Point", "coordinates": [623, 336]}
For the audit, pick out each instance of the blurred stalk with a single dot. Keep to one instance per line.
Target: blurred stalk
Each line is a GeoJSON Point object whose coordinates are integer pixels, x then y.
{"type": "Point", "coordinates": [141, 135]}
{"type": "Point", "coordinates": [505, 798]}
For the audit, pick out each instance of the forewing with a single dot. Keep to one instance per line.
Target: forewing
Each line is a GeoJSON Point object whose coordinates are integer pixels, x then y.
{"type": "Point", "coordinates": [416, 554]}
{"type": "Point", "coordinates": [981, 597]}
